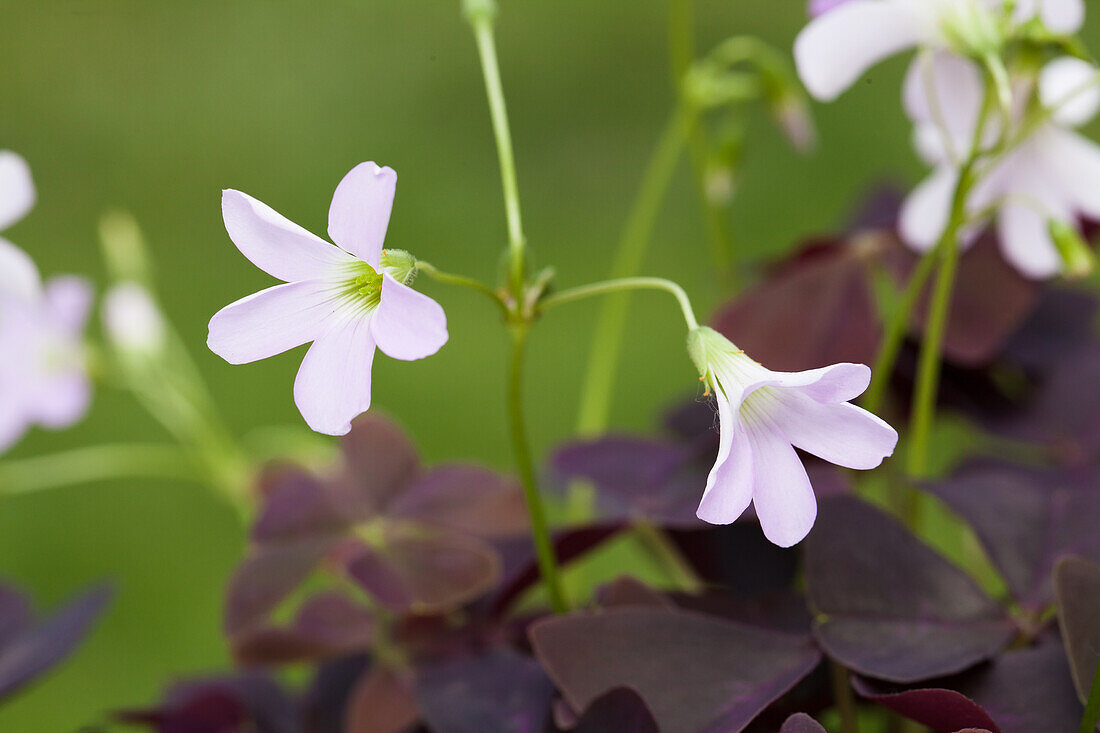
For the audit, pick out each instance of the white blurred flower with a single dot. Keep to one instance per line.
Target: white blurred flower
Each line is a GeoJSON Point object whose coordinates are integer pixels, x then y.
{"type": "Point", "coordinates": [132, 320]}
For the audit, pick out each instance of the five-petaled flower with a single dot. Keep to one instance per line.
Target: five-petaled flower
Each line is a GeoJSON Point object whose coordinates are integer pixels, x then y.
{"type": "Point", "coordinates": [847, 38]}
{"type": "Point", "coordinates": [763, 416]}
{"type": "Point", "coordinates": [1050, 175]}
{"type": "Point", "coordinates": [42, 356]}
{"type": "Point", "coordinates": [346, 299]}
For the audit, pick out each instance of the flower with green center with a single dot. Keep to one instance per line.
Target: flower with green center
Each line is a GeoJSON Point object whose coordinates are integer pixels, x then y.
{"type": "Point", "coordinates": [763, 416]}
{"type": "Point", "coordinates": [347, 298]}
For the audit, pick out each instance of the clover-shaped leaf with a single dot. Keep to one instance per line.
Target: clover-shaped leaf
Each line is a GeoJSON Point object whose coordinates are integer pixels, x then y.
{"type": "Point", "coordinates": [221, 705]}
{"type": "Point", "coordinates": [1026, 517]}
{"type": "Point", "coordinates": [887, 605]}
{"type": "Point", "coordinates": [1077, 584]}
{"type": "Point", "coordinates": [695, 672]}
{"type": "Point", "coordinates": [327, 625]}
{"type": "Point", "coordinates": [801, 723]}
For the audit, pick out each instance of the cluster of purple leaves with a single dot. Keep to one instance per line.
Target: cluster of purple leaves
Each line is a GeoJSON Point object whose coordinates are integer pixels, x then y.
{"type": "Point", "coordinates": [402, 584]}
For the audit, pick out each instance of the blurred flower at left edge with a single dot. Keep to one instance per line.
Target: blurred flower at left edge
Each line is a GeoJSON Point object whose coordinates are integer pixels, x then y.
{"type": "Point", "coordinates": [43, 375]}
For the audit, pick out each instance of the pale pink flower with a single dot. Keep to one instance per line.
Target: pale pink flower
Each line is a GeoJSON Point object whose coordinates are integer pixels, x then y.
{"type": "Point", "coordinates": [1053, 175]}
{"type": "Point", "coordinates": [848, 37]}
{"type": "Point", "coordinates": [347, 298]}
{"type": "Point", "coordinates": [17, 272]}
{"type": "Point", "coordinates": [763, 416]}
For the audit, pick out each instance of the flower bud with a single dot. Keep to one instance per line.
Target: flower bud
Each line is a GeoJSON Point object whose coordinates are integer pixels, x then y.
{"type": "Point", "coordinates": [1075, 252]}
{"type": "Point", "coordinates": [132, 320]}
{"type": "Point", "coordinates": [400, 265]}
{"type": "Point", "coordinates": [123, 246]}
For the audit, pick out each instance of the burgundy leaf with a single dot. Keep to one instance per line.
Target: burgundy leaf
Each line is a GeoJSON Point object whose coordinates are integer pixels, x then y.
{"type": "Point", "coordinates": [695, 672]}
{"type": "Point", "coordinates": [801, 723]}
{"type": "Point", "coordinates": [327, 625]}
{"type": "Point", "coordinates": [34, 649]}
{"type": "Point", "coordinates": [1022, 691]}
{"type": "Point", "coordinates": [380, 461]}
{"type": "Point", "coordinates": [221, 705]}
{"type": "Point", "coordinates": [1025, 518]}
{"type": "Point", "coordinates": [888, 606]}
{"type": "Point", "coordinates": [778, 610]}
{"type": "Point", "coordinates": [1062, 321]}
{"type": "Point", "coordinates": [628, 591]}
{"type": "Point", "coordinates": [209, 711]}
{"type": "Point", "coordinates": [760, 566]}
{"type": "Point", "coordinates": [1077, 584]}
{"type": "Point", "coordinates": [467, 499]}
{"type": "Point", "coordinates": [423, 571]}
{"type": "Point", "coordinates": [297, 506]}
{"type": "Point", "coordinates": [325, 703]}
{"type": "Point", "coordinates": [497, 691]}
{"type": "Point", "coordinates": [621, 710]}
{"type": "Point", "coordinates": [381, 703]}
{"type": "Point", "coordinates": [15, 613]}
{"type": "Point", "coordinates": [816, 309]}
{"type": "Point", "coordinates": [267, 576]}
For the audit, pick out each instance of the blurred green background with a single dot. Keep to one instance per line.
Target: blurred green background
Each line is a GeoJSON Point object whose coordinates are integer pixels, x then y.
{"type": "Point", "coordinates": [157, 106]}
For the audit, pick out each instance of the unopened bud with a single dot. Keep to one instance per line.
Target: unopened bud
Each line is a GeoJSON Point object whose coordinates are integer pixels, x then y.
{"type": "Point", "coordinates": [1075, 252]}
{"type": "Point", "coordinates": [132, 320]}
{"type": "Point", "coordinates": [793, 117]}
{"type": "Point", "coordinates": [400, 265]}
{"type": "Point", "coordinates": [123, 246]}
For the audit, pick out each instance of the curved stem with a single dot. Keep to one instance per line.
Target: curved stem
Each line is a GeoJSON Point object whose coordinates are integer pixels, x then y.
{"type": "Point", "coordinates": [627, 283]}
{"type": "Point", "coordinates": [544, 548]}
{"type": "Point", "coordinates": [1092, 708]}
{"type": "Point", "coordinates": [607, 337]}
{"type": "Point", "coordinates": [842, 692]}
{"type": "Point", "coordinates": [96, 463]}
{"type": "Point", "coordinates": [462, 281]}
{"type": "Point", "coordinates": [481, 20]}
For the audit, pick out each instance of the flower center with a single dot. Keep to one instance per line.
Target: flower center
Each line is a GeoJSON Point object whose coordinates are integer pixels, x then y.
{"type": "Point", "coordinates": [364, 286]}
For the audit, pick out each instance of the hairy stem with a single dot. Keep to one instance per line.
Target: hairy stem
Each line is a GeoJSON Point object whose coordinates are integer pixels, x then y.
{"type": "Point", "coordinates": [544, 548]}
{"type": "Point", "coordinates": [462, 281]}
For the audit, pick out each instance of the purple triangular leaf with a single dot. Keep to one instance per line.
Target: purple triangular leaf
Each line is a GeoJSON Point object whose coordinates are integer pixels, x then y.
{"type": "Point", "coordinates": [695, 672]}
{"type": "Point", "coordinates": [1025, 518]}
{"type": "Point", "coordinates": [497, 691]}
{"type": "Point", "coordinates": [328, 624]}
{"type": "Point", "coordinates": [801, 723]}
{"type": "Point", "coordinates": [297, 505]}
{"type": "Point", "coordinates": [887, 605]}
{"type": "Point", "coordinates": [1077, 584]}
{"type": "Point", "coordinates": [36, 648]}
{"type": "Point", "coordinates": [380, 461]}
{"type": "Point", "coordinates": [621, 710]}
{"type": "Point", "coordinates": [381, 702]}
{"type": "Point", "coordinates": [467, 499]}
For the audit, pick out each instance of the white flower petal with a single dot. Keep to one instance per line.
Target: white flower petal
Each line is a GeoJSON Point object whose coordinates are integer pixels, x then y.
{"type": "Point", "coordinates": [729, 485]}
{"type": "Point", "coordinates": [16, 188]}
{"type": "Point", "coordinates": [333, 383]}
{"type": "Point", "coordinates": [1062, 16]}
{"type": "Point", "coordinates": [275, 244]}
{"type": "Point", "coordinates": [69, 299]}
{"type": "Point", "coordinates": [1071, 88]}
{"type": "Point", "coordinates": [272, 321]}
{"type": "Point", "coordinates": [925, 211]}
{"type": "Point", "coordinates": [408, 325]}
{"type": "Point", "coordinates": [1025, 241]}
{"type": "Point", "coordinates": [782, 494]}
{"type": "Point", "coordinates": [843, 434]}
{"type": "Point", "coordinates": [943, 95]}
{"type": "Point", "coordinates": [18, 274]}
{"type": "Point", "coordinates": [1074, 162]}
{"type": "Point", "coordinates": [360, 211]}
{"type": "Point", "coordinates": [60, 400]}
{"type": "Point", "coordinates": [836, 48]}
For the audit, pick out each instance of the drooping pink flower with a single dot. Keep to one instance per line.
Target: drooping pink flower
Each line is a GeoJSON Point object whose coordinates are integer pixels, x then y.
{"type": "Point", "coordinates": [347, 298]}
{"type": "Point", "coordinates": [763, 416]}
{"type": "Point", "coordinates": [847, 37]}
{"type": "Point", "coordinates": [1052, 175]}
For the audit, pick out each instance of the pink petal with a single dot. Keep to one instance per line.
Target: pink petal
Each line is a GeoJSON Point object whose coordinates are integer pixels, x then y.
{"type": "Point", "coordinates": [1074, 162]}
{"type": "Point", "coordinates": [729, 485]}
{"type": "Point", "coordinates": [924, 213]}
{"type": "Point", "coordinates": [843, 434]}
{"type": "Point", "coordinates": [16, 188]}
{"type": "Point", "coordinates": [69, 299]}
{"type": "Point", "coordinates": [408, 325]}
{"type": "Point", "coordinates": [18, 274]}
{"type": "Point", "coordinates": [1025, 241]}
{"type": "Point", "coordinates": [360, 210]}
{"type": "Point", "coordinates": [1063, 16]}
{"type": "Point", "coordinates": [271, 321]}
{"type": "Point", "coordinates": [275, 244]}
{"type": "Point", "coordinates": [943, 94]}
{"type": "Point", "coordinates": [784, 500]}
{"type": "Point", "coordinates": [333, 383]}
{"type": "Point", "coordinates": [1068, 86]}
{"type": "Point", "coordinates": [836, 48]}
{"type": "Point", "coordinates": [835, 383]}
{"type": "Point", "coordinates": [60, 400]}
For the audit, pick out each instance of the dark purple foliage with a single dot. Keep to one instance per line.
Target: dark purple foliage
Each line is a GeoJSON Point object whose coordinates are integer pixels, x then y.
{"type": "Point", "coordinates": [1026, 517]}
{"type": "Point", "coordinates": [30, 647]}
{"type": "Point", "coordinates": [695, 672]}
{"type": "Point", "coordinates": [621, 710]}
{"type": "Point", "coordinates": [801, 723]}
{"type": "Point", "coordinates": [1077, 585]}
{"type": "Point", "coordinates": [1022, 691]}
{"type": "Point", "coordinates": [888, 606]}
{"type": "Point", "coordinates": [221, 705]}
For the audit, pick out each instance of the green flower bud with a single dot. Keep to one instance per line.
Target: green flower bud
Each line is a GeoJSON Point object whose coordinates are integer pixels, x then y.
{"type": "Point", "coordinates": [1075, 251]}
{"type": "Point", "coordinates": [400, 265]}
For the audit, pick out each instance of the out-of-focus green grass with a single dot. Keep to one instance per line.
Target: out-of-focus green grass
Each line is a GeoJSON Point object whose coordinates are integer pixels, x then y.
{"type": "Point", "coordinates": [156, 106]}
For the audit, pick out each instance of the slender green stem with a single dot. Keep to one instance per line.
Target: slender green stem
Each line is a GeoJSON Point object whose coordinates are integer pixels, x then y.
{"type": "Point", "coordinates": [544, 548]}
{"type": "Point", "coordinates": [626, 283]}
{"type": "Point", "coordinates": [655, 541]}
{"type": "Point", "coordinates": [845, 703]}
{"type": "Point", "coordinates": [481, 17]}
{"type": "Point", "coordinates": [96, 463]}
{"type": "Point", "coordinates": [1092, 708]}
{"type": "Point", "coordinates": [607, 337]}
{"type": "Point", "coordinates": [895, 333]}
{"type": "Point", "coordinates": [681, 51]}
{"type": "Point", "coordinates": [462, 281]}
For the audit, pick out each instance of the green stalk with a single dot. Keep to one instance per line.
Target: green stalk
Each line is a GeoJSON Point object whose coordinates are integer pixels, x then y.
{"type": "Point", "coordinates": [607, 337]}
{"type": "Point", "coordinates": [544, 548]}
{"type": "Point", "coordinates": [605, 287]}
{"type": "Point", "coordinates": [845, 703]}
{"type": "Point", "coordinates": [1092, 708]}
{"type": "Point", "coordinates": [96, 463]}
